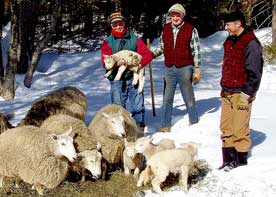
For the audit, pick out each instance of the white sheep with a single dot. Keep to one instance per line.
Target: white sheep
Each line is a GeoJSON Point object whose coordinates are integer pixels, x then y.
{"type": "Point", "coordinates": [88, 149]}
{"type": "Point", "coordinates": [113, 121]}
{"type": "Point", "coordinates": [176, 161]}
{"type": "Point", "coordinates": [131, 159]}
{"type": "Point", "coordinates": [36, 157]}
{"type": "Point", "coordinates": [109, 136]}
{"type": "Point", "coordinates": [132, 62]}
{"type": "Point", "coordinates": [145, 146]}
{"type": "Point", "coordinates": [66, 100]}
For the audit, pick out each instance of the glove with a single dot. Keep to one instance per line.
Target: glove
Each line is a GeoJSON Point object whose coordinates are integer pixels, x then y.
{"type": "Point", "coordinates": [196, 75]}
{"type": "Point", "coordinates": [243, 101]}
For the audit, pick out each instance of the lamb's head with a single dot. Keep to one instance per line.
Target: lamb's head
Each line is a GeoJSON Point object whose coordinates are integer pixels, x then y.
{"type": "Point", "coordinates": [91, 160]}
{"type": "Point", "coordinates": [192, 147]}
{"type": "Point", "coordinates": [62, 145]}
{"type": "Point", "coordinates": [115, 123]}
{"type": "Point", "coordinates": [130, 149]}
{"type": "Point", "coordinates": [142, 143]}
{"type": "Point", "coordinates": [109, 61]}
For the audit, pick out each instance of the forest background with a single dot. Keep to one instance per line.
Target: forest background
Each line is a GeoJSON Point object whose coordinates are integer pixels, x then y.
{"type": "Point", "coordinates": [69, 26]}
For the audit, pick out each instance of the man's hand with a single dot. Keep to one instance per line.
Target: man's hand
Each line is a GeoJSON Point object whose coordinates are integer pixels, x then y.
{"type": "Point", "coordinates": [243, 101]}
{"type": "Point", "coordinates": [121, 62]}
{"type": "Point", "coordinates": [196, 75]}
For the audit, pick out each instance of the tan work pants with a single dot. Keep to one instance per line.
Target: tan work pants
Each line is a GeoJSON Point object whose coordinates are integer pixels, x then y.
{"type": "Point", "coordinates": [234, 124]}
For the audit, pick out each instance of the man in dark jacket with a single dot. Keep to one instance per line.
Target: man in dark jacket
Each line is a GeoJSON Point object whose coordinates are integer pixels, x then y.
{"type": "Point", "coordinates": [241, 76]}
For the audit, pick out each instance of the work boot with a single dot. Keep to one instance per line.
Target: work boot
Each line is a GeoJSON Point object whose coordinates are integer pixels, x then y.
{"type": "Point", "coordinates": [241, 158]}
{"type": "Point", "coordinates": [165, 129]}
{"type": "Point", "coordinates": [229, 155]}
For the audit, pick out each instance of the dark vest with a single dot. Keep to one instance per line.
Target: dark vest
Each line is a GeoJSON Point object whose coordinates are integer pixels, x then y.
{"type": "Point", "coordinates": [127, 42]}
{"type": "Point", "coordinates": [233, 68]}
{"type": "Point", "coordinates": [181, 54]}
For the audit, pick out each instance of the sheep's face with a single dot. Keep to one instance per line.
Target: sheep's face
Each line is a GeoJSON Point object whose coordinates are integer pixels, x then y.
{"type": "Point", "coordinates": [62, 145]}
{"type": "Point", "coordinates": [91, 160]}
{"type": "Point", "coordinates": [141, 144]}
{"type": "Point", "coordinates": [109, 61]}
{"type": "Point", "coordinates": [130, 149]}
{"type": "Point", "coordinates": [115, 123]}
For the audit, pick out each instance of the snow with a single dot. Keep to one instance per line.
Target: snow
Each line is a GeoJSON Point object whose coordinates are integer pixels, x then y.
{"type": "Point", "coordinates": [84, 71]}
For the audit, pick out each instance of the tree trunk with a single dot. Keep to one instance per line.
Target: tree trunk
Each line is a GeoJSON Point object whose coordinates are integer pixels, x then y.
{"type": "Point", "coordinates": [41, 45]}
{"type": "Point", "coordinates": [8, 86]}
{"type": "Point", "coordinates": [273, 21]}
{"type": "Point", "coordinates": [1, 60]}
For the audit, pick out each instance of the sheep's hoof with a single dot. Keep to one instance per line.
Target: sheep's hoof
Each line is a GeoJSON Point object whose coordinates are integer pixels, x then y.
{"type": "Point", "coordinates": [39, 189]}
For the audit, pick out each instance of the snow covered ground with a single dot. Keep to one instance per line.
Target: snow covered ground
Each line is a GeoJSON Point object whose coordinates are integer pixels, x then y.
{"type": "Point", "coordinates": [84, 71]}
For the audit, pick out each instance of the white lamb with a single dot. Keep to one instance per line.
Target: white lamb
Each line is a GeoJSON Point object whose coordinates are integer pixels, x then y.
{"type": "Point", "coordinates": [132, 62]}
{"type": "Point", "coordinates": [177, 161]}
{"type": "Point", "coordinates": [36, 157]}
{"type": "Point", "coordinates": [132, 161]}
{"type": "Point", "coordinates": [145, 146]}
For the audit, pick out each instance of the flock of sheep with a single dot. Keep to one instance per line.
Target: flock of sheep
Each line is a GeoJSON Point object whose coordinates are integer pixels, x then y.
{"type": "Point", "coordinates": [53, 139]}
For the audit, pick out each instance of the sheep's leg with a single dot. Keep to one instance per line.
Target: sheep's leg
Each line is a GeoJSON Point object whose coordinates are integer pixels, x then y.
{"type": "Point", "coordinates": [136, 172]}
{"type": "Point", "coordinates": [183, 180]}
{"type": "Point", "coordinates": [39, 188]}
{"type": "Point", "coordinates": [108, 73]}
{"type": "Point", "coordinates": [17, 181]}
{"type": "Point", "coordinates": [1, 181]}
{"type": "Point", "coordinates": [141, 78]}
{"type": "Point", "coordinates": [104, 169]}
{"type": "Point", "coordinates": [156, 186]}
{"type": "Point", "coordinates": [143, 178]}
{"type": "Point", "coordinates": [120, 72]}
{"type": "Point", "coordinates": [135, 78]}
{"type": "Point", "coordinates": [83, 174]}
{"type": "Point", "coordinates": [126, 170]}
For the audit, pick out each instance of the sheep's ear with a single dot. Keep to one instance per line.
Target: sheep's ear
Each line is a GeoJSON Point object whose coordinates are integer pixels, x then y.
{"type": "Point", "coordinates": [69, 131]}
{"type": "Point", "coordinates": [105, 115]}
{"type": "Point", "coordinates": [99, 146]}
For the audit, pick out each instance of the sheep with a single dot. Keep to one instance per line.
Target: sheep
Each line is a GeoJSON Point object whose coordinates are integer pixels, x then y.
{"type": "Point", "coordinates": [36, 157]}
{"type": "Point", "coordinates": [132, 62]}
{"type": "Point", "coordinates": [102, 127]}
{"type": "Point", "coordinates": [176, 161]}
{"type": "Point", "coordinates": [145, 146]}
{"type": "Point", "coordinates": [4, 122]}
{"type": "Point", "coordinates": [88, 149]}
{"type": "Point", "coordinates": [66, 100]}
{"type": "Point", "coordinates": [132, 161]}
{"type": "Point", "coordinates": [113, 121]}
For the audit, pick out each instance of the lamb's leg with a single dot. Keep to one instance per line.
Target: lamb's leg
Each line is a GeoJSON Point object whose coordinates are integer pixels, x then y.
{"type": "Point", "coordinates": [136, 172]}
{"type": "Point", "coordinates": [126, 170]}
{"type": "Point", "coordinates": [120, 72]}
{"type": "Point", "coordinates": [1, 181]}
{"type": "Point", "coordinates": [135, 78]}
{"type": "Point", "coordinates": [156, 186]}
{"type": "Point", "coordinates": [183, 180]}
{"type": "Point", "coordinates": [17, 181]}
{"type": "Point", "coordinates": [108, 73]}
{"type": "Point", "coordinates": [83, 174]}
{"type": "Point", "coordinates": [141, 80]}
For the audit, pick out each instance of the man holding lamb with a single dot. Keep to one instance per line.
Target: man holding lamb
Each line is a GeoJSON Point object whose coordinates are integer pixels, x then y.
{"type": "Point", "coordinates": [123, 89]}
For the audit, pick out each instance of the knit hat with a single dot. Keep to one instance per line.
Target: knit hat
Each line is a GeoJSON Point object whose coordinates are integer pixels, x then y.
{"type": "Point", "coordinates": [116, 17]}
{"type": "Point", "coordinates": [235, 16]}
{"type": "Point", "coordinates": [177, 8]}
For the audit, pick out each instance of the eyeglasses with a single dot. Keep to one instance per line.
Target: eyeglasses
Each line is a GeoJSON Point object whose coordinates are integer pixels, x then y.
{"type": "Point", "coordinates": [120, 24]}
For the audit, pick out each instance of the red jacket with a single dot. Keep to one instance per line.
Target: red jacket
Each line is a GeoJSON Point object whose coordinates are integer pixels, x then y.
{"type": "Point", "coordinates": [181, 54]}
{"type": "Point", "coordinates": [233, 69]}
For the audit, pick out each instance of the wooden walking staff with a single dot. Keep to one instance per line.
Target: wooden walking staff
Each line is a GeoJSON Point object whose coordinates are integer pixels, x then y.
{"type": "Point", "coordinates": [151, 83]}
